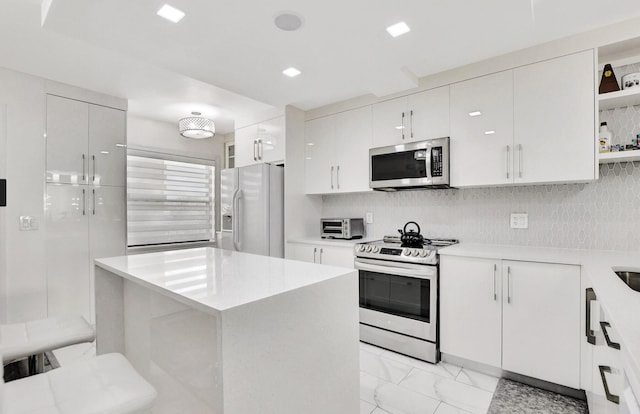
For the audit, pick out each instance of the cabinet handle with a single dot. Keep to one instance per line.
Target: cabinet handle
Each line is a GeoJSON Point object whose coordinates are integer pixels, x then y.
{"type": "Point", "coordinates": [590, 297]}
{"type": "Point", "coordinates": [520, 160]}
{"type": "Point", "coordinates": [411, 122]}
{"type": "Point", "coordinates": [260, 149]}
{"type": "Point", "coordinates": [94, 201]}
{"type": "Point", "coordinates": [332, 177]}
{"type": "Point", "coordinates": [508, 156]}
{"type": "Point", "coordinates": [84, 202]}
{"type": "Point", "coordinates": [610, 344]}
{"type": "Point", "coordinates": [508, 284]}
{"type": "Point", "coordinates": [84, 175]}
{"type": "Point", "coordinates": [93, 180]}
{"type": "Point", "coordinates": [611, 397]}
{"type": "Point", "coordinates": [338, 176]}
{"type": "Point", "coordinates": [402, 129]}
{"type": "Point", "coordinates": [495, 290]}
{"type": "Point", "coordinates": [255, 153]}
{"type": "Point", "coordinates": [315, 250]}
{"type": "Point", "coordinates": [321, 250]}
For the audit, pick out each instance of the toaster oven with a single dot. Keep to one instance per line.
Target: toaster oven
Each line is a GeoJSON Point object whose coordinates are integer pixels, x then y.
{"type": "Point", "coordinates": [342, 228]}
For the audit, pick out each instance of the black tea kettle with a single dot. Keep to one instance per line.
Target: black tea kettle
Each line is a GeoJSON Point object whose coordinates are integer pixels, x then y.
{"type": "Point", "coordinates": [411, 238]}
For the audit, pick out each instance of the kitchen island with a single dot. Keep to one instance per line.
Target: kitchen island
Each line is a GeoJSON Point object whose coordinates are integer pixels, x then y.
{"type": "Point", "coordinates": [217, 331]}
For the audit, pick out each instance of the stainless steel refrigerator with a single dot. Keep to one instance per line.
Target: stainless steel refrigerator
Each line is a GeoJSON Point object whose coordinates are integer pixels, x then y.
{"type": "Point", "coordinates": [252, 209]}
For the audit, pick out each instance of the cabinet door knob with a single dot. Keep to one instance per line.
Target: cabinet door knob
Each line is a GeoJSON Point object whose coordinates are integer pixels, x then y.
{"type": "Point", "coordinates": [508, 157]}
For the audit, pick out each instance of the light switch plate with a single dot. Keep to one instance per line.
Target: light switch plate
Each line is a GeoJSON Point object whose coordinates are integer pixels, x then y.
{"type": "Point", "coordinates": [28, 223]}
{"type": "Point", "coordinates": [519, 221]}
{"type": "Point", "coordinates": [369, 218]}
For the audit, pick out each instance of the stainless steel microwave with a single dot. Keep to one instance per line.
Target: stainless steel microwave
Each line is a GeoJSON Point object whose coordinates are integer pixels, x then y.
{"type": "Point", "coordinates": [415, 165]}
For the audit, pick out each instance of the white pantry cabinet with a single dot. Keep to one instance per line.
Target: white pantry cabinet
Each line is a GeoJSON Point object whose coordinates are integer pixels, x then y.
{"type": "Point", "coordinates": [263, 142]}
{"type": "Point", "coordinates": [83, 223]}
{"type": "Point", "coordinates": [85, 143]}
{"type": "Point", "coordinates": [337, 152]}
{"type": "Point", "coordinates": [321, 254]}
{"type": "Point", "coordinates": [416, 117]}
{"type": "Point", "coordinates": [522, 317]}
{"type": "Point", "coordinates": [533, 124]}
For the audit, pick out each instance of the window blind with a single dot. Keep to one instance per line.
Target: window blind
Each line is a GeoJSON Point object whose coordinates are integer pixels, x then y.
{"type": "Point", "coordinates": [169, 199]}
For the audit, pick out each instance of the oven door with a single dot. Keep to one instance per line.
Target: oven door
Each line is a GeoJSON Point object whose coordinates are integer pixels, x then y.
{"type": "Point", "coordinates": [399, 297]}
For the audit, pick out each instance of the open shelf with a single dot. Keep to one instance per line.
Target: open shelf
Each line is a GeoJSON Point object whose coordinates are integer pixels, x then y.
{"type": "Point", "coordinates": [619, 99]}
{"type": "Point", "coordinates": [622, 156]}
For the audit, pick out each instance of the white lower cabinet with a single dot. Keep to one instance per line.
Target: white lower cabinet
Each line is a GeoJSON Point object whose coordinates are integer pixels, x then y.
{"type": "Point", "coordinates": [321, 254]}
{"type": "Point", "coordinates": [83, 223]}
{"type": "Point", "coordinates": [522, 317]}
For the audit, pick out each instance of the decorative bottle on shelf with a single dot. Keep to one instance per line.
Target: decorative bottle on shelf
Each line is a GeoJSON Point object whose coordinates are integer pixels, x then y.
{"type": "Point", "coordinates": [608, 83]}
{"type": "Point", "coordinates": [604, 137]}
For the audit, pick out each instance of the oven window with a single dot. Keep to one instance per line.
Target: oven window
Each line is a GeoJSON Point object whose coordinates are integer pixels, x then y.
{"type": "Point", "coordinates": [398, 295]}
{"type": "Point", "coordinates": [396, 166]}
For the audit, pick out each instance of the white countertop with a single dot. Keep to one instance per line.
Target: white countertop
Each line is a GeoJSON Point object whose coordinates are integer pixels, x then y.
{"type": "Point", "coordinates": [621, 303]}
{"type": "Point", "coordinates": [215, 280]}
{"type": "Point", "coordinates": [330, 242]}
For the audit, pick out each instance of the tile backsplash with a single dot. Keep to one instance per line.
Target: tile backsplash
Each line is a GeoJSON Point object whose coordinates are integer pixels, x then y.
{"type": "Point", "coordinates": [602, 215]}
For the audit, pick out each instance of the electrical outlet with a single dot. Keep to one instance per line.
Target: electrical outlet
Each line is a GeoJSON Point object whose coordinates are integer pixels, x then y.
{"type": "Point", "coordinates": [519, 221]}
{"type": "Point", "coordinates": [28, 223]}
{"type": "Point", "coordinates": [369, 218]}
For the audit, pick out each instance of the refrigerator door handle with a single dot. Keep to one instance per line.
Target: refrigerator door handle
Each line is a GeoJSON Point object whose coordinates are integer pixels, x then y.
{"type": "Point", "coordinates": [235, 220]}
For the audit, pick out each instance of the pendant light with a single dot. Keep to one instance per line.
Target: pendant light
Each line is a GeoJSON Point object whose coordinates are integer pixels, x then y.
{"type": "Point", "coordinates": [196, 127]}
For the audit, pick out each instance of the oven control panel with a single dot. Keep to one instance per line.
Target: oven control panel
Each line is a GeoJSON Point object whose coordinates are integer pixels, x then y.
{"type": "Point", "coordinates": [398, 254]}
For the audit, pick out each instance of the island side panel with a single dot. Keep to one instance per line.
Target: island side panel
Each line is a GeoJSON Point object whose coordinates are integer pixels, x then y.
{"type": "Point", "coordinates": [297, 352]}
{"type": "Point", "coordinates": [109, 304]}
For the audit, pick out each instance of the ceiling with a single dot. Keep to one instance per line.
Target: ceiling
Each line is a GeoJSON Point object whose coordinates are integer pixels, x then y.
{"type": "Point", "coordinates": [165, 69]}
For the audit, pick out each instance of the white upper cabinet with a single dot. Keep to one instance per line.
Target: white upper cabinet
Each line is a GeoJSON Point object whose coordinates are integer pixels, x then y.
{"type": "Point", "coordinates": [67, 140]}
{"type": "Point", "coordinates": [107, 130]}
{"type": "Point", "coordinates": [337, 152]}
{"type": "Point", "coordinates": [352, 143]}
{"type": "Point", "coordinates": [246, 145]}
{"type": "Point", "coordinates": [534, 124]}
{"type": "Point", "coordinates": [554, 116]}
{"type": "Point", "coordinates": [482, 131]}
{"type": "Point", "coordinates": [416, 117]}
{"type": "Point", "coordinates": [260, 143]}
{"type": "Point", "coordinates": [270, 136]}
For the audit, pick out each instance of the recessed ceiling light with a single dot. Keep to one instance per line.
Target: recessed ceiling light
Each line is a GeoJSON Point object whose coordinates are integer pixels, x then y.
{"type": "Point", "coordinates": [489, 132]}
{"type": "Point", "coordinates": [475, 113]}
{"type": "Point", "coordinates": [288, 22]}
{"type": "Point", "coordinates": [398, 29]}
{"type": "Point", "coordinates": [291, 72]}
{"type": "Point", "coordinates": [171, 13]}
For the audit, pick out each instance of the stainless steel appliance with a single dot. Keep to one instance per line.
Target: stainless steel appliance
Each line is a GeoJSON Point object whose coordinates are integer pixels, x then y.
{"type": "Point", "coordinates": [252, 209]}
{"type": "Point", "coordinates": [342, 228]}
{"type": "Point", "coordinates": [423, 164]}
{"type": "Point", "coordinates": [399, 296]}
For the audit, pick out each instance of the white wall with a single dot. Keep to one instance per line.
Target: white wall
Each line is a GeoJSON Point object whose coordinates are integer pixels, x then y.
{"type": "Point", "coordinates": [143, 133]}
{"type": "Point", "coordinates": [3, 245]}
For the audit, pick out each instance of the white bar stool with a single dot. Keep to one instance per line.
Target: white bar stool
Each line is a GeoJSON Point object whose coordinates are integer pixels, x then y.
{"type": "Point", "coordinates": [106, 384]}
{"type": "Point", "coordinates": [20, 340]}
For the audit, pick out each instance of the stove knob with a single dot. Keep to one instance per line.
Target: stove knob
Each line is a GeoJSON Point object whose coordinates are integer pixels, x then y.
{"type": "Point", "coordinates": [369, 248]}
{"type": "Point", "coordinates": [424, 253]}
{"type": "Point", "coordinates": [415, 252]}
{"type": "Point", "coordinates": [376, 249]}
{"type": "Point", "coordinates": [361, 248]}
{"type": "Point", "coordinates": [406, 252]}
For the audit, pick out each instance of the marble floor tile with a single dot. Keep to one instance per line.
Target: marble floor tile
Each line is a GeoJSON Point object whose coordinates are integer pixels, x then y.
{"type": "Point", "coordinates": [448, 390]}
{"type": "Point", "coordinates": [380, 411]}
{"type": "Point", "coordinates": [384, 368]}
{"type": "Point", "coordinates": [366, 408]}
{"type": "Point", "coordinates": [371, 348]}
{"type": "Point", "coordinates": [445, 408]}
{"type": "Point", "coordinates": [443, 369]}
{"type": "Point", "coordinates": [478, 380]}
{"type": "Point", "coordinates": [394, 399]}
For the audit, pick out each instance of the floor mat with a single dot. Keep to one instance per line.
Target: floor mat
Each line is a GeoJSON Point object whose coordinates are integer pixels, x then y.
{"type": "Point", "coordinates": [513, 397]}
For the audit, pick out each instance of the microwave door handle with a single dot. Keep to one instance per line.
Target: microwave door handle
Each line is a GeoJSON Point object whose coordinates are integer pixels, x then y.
{"type": "Point", "coordinates": [427, 162]}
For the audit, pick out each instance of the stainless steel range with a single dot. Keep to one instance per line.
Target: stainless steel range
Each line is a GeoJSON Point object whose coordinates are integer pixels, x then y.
{"type": "Point", "coordinates": [399, 295]}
